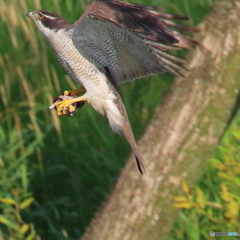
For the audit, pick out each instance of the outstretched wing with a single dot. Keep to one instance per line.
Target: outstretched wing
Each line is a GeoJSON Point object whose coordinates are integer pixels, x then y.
{"type": "Point", "coordinates": [128, 41]}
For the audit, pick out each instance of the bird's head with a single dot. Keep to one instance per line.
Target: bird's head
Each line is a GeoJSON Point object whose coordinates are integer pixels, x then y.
{"type": "Point", "coordinates": [48, 22]}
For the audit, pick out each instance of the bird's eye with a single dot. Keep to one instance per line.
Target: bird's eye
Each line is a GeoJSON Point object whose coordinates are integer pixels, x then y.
{"type": "Point", "coordinates": [40, 16]}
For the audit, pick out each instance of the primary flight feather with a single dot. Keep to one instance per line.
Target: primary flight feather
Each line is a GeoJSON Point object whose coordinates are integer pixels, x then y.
{"type": "Point", "coordinates": [113, 42]}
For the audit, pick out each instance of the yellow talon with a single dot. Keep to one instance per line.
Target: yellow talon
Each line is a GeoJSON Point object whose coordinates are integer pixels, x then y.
{"type": "Point", "coordinates": [66, 106]}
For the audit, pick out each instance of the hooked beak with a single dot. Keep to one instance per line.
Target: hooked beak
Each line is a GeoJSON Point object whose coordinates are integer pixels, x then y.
{"type": "Point", "coordinates": [29, 14]}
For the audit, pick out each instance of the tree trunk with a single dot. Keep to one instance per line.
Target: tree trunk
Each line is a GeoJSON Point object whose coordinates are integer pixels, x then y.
{"type": "Point", "coordinates": [181, 137]}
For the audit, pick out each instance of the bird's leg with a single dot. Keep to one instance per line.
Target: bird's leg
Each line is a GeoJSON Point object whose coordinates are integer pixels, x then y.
{"type": "Point", "coordinates": [68, 103]}
{"type": "Point", "coordinates": [68, 106]}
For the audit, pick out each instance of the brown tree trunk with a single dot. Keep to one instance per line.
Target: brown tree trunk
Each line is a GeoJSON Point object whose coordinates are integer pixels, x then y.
{"type": "Point", "coordinates": [181, 138]}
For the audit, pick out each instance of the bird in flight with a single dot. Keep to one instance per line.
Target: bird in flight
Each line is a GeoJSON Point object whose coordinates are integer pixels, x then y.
{"type": "Point", "coordinates": [111, 43]}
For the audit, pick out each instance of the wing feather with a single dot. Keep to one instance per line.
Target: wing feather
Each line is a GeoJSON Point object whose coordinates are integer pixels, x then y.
{"type": "Point", "coordinates": [129, 39]}
{"type": "Point", "coordinates": [124, 53]}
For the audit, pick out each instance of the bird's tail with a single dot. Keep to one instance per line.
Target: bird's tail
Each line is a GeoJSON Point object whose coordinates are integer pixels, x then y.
{"type": "Point", "coordinates": [127, 130]}
{"type": "Point", "coordinates": [118, 119]}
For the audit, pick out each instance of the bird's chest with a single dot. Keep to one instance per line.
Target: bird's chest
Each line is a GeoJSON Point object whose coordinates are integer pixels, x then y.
{"type": "Point", "coordinates": [80, 69]}
{"type": "Point", "coordinates": [71, 59]}
{"type": "Point", "coordinates": [84, 72]}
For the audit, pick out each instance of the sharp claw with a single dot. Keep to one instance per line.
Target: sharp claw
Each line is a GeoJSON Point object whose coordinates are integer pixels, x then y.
{"type": "Point", "coordinates": [64, 104]}
{"type": "Point", "coordinates": [71, 108]}
{"type": "Point", "coordinates": [64, 108]}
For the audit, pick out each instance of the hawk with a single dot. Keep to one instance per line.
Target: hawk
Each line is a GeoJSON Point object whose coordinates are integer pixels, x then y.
{"type": "Point", "coordinates": [111, 43]}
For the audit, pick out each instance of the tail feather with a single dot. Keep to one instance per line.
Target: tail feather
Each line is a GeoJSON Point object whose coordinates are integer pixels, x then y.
{"type": "Point", "coordinates": [118, 119]}
{"type": "Point", "coordinates": [126, 128]}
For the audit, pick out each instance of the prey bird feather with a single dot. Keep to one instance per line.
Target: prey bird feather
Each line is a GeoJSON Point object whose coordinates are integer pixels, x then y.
{"type": "Point", "coordinates": [111, 43]}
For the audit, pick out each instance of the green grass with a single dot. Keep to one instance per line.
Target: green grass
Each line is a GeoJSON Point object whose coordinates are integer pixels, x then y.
{"type": "Point", "coordinates": [69, 164]}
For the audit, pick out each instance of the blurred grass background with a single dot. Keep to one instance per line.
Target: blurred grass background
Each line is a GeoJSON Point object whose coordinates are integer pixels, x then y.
{"type": "Point", "coordinates": [68, 164]}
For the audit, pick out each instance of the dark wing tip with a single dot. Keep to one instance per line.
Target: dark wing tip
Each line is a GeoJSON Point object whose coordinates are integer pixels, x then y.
{"type": "Point", "coordinates": [172, 16]}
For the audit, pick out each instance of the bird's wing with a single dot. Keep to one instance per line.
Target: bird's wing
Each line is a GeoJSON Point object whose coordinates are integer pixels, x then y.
{"type": "Point", "coordinates": [129, 40]}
